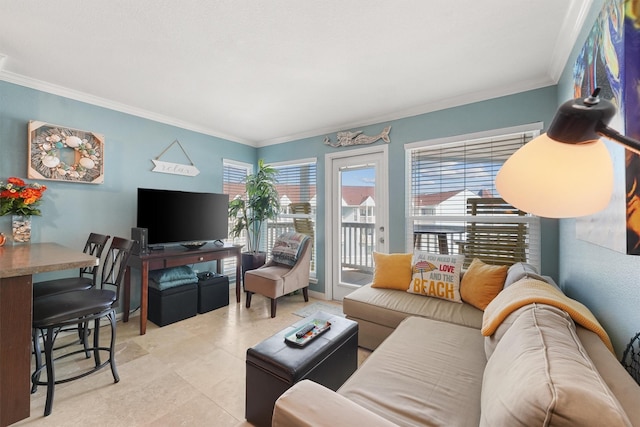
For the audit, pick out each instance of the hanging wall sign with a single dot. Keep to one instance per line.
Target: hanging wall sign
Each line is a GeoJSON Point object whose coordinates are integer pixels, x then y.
{"type": "Point", "coordinates": [174, 168]}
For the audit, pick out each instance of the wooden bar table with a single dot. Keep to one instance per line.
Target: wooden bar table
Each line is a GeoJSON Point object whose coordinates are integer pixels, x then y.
{"type": "Point", "coordinates": [17, 265]}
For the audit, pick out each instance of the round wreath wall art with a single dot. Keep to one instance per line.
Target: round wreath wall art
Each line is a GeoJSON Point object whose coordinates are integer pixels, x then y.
{"type": "Point", "coordinates": [65, 154]}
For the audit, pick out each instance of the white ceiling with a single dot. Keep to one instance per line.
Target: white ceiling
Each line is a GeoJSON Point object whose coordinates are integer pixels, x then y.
{"type": "Point", "coordinates": [262, 72]}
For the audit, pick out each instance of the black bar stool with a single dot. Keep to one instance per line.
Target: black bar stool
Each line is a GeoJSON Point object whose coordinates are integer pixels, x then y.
{"type": "Point", "coordinates": [54, 312]}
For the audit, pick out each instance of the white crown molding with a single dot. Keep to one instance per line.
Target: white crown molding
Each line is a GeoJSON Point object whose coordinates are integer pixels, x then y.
{"type": "Point", "coordinates": [111, 105]}
{"type": "Point", "coordinates": [422, 109]}
{"type": "Point", "coordinates": [411, 112]}
{"type": "Point", "coordinates": [567, 37]}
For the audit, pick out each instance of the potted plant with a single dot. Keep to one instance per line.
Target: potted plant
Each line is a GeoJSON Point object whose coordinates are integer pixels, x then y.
{"type": "Point", "coordinates": [248, 213]}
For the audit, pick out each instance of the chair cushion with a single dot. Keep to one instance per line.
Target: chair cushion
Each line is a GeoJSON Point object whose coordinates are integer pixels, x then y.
{"type": "Point", "coordinates": [266, 281]}
{"type": "Point", "coordinates": [287, 248]}
{"type": "Point", "coordinates": [56, 286]}
{"type": "Point", "coordinates": [54, 309]}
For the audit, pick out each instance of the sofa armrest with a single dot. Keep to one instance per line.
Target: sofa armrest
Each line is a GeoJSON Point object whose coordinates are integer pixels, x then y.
{"type": "Point", "coordinates": [308, 404]}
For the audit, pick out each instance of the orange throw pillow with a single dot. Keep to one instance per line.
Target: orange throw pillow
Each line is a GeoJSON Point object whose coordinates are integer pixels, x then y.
{"type": "Point", "coordinates": [392, 271]}
{"type": "Point", "coordinates": [481, 283]}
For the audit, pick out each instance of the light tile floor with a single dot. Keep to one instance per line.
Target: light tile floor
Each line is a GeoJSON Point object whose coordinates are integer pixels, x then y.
{"type": "Point", "coordinates": [190, 373]}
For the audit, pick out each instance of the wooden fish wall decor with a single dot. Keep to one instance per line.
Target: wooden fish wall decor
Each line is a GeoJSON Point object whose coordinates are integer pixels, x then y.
{"type": "Point", "coordinates": [348, 138]}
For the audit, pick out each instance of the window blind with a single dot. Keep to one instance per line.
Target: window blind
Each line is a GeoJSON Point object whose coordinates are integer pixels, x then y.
{"type": "Point", "coordinates": [453, 206]}
{"type": "Point", "coordinates": [233, 177]}
{"type": "Point", "coordinates": [233, 184]}
{"type": "Point", "coordinates": [296, 184]}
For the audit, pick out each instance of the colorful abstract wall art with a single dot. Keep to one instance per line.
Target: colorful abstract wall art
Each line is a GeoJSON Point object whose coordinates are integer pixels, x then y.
{"type": "Point", "coordinates": [610, 60]}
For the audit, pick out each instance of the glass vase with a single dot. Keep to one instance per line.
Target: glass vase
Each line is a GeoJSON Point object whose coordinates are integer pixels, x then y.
{"type": "Point", "coordinates": [21, 227]}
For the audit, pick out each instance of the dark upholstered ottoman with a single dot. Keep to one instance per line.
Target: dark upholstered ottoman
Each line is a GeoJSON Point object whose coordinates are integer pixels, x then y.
{"type": "Point", "coordinates": [172, 304]}
{"type": "Point", "coordinates": [273, 365]}
{"type": "Point", "coordinates": [213, 292]}
{"type": "Point", "coordinates": [173, 295]}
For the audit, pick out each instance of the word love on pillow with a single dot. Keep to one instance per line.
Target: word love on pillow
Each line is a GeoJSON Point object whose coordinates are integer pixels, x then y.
{"type": "Point", "coordinates": [436, 275]}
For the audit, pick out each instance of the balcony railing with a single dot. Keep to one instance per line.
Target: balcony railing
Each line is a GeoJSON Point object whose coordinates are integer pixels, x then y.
{"type": "Point", "coordinates": [275, 229]}
{"type": "Point", "coordinates": [429, 234]}
{"type": "Point", "coordinates": [358, 243]}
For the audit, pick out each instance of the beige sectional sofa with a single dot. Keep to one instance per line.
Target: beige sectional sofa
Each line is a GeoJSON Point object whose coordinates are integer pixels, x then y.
{"type": "Point", "coordinates": [433, 367]}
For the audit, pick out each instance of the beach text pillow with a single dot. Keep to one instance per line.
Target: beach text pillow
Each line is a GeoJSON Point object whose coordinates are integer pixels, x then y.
{"type": "Point", "coordinates": [436, 276]}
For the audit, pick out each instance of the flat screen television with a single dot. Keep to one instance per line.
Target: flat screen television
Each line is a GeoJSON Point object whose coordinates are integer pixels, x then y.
{"type": "Point", "coordinates": [182, 217]}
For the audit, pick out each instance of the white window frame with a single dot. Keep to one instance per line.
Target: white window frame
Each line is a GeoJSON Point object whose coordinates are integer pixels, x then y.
{"type": "Point", "coordinates": [533, 222]}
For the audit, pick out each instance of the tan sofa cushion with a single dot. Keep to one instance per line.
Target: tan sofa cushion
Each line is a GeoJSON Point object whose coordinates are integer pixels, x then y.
{"type": "Point", "coordinates": [540, 374]}
{"type": "Point", "coordinates": [622, 384]}
{"type": "Point", "coordinates": [308, 404]}
{"type": "Point", "coordinates": [492, 340]}
{"type": "Point", "coordinates": [426, 373]}
{"type": "Point", "coordinates": [388, 307]}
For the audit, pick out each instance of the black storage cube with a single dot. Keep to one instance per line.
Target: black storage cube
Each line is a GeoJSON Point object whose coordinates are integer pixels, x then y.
{"type": "Point", "coordinates": [213, 292]}
{"type": "Point", "coordinates": [172, 304]}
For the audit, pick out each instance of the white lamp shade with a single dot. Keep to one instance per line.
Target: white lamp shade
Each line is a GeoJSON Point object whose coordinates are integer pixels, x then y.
{"type": "Point", "coordinates": [557, 180]}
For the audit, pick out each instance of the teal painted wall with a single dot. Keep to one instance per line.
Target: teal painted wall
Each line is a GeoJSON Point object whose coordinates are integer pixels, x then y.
{"type": "Point", "coordinates": [604, 280]}
{"type": "Point", "coordinates": [528, 107]}
{"type": "Point", "coordinates": [72, 210]}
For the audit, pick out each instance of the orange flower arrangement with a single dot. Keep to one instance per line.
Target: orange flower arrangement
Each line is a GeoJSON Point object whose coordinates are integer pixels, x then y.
{"type": "Point", "coordinates": [20, 198]}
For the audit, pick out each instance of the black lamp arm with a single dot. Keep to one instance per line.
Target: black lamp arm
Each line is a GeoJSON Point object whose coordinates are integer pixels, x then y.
{"type": "Point", "coordinates": [629, 143]}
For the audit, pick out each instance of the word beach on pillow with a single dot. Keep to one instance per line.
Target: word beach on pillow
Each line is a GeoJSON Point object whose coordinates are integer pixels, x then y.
{"type": "Point", "coordinates": [436, 275]}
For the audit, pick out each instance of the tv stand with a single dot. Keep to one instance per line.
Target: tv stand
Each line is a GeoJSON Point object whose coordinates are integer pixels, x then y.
{"type": "Point", "coordinates": [173, 256]}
